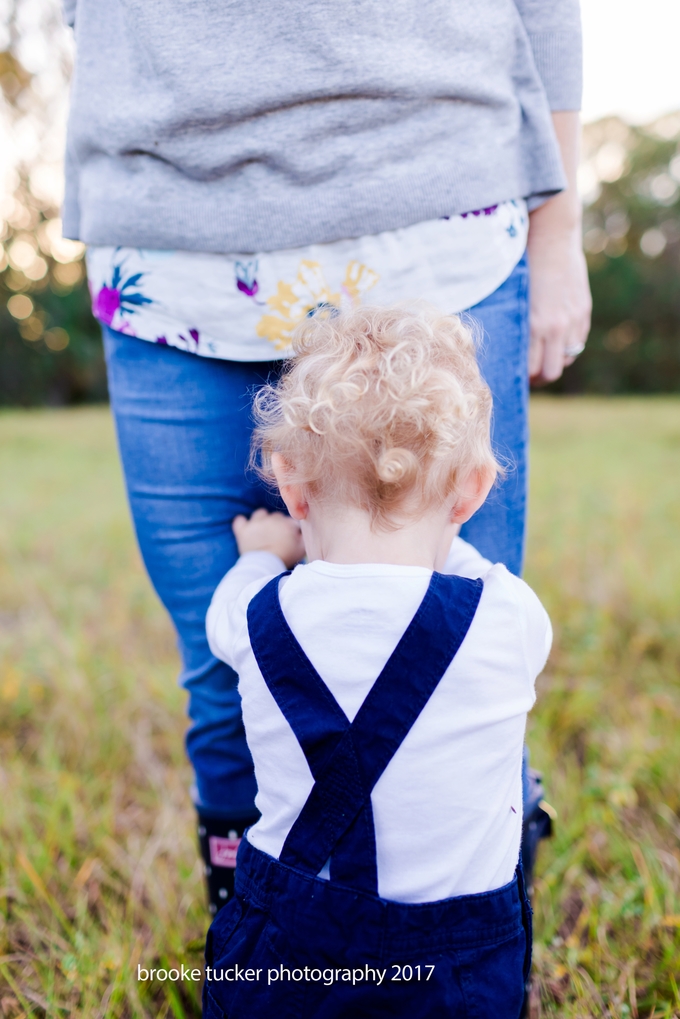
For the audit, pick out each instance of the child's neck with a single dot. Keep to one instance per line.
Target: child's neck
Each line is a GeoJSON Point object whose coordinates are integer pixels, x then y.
{"type": "Point", "coordinates": [344, 534]}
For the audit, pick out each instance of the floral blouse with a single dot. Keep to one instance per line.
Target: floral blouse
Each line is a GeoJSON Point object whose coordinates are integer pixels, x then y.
{"type": "Point", "coordinates": [245, 307]}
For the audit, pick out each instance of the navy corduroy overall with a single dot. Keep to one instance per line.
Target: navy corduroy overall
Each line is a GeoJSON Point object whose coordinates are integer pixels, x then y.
{"type": "Point", "coordinates": [292, 945]}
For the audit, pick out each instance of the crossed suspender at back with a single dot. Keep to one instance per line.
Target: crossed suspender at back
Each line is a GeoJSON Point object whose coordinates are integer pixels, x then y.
{"type": "Point", "coordinates": [347, 759]}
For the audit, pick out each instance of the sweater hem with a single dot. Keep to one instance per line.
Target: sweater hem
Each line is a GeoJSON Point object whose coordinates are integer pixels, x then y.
{"type": "Point", "coordinates": [225, 228]}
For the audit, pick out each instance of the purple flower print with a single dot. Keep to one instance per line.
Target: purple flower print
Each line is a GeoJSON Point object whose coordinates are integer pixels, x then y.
{"type": "Point", "coordinates": [194, 334]}
{"type": "Point", "coordinates": [119, 296]}
{"type": "Point", "coordinates": [105, 305]}
{"type": "Point", "coordinates": [246, 278]}
{"type": "Point", "coordinates": [489, 211]}
{"type": "Point", "coordinates": [249, 289]}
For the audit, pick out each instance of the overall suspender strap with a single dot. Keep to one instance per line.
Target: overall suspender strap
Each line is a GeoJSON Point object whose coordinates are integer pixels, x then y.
{"type": "Point", "coordinates": [347, 761]}
{"type": "Point", "coordinates": [393, 704]}
{"type": "Point", "coordinates": [305, 701]}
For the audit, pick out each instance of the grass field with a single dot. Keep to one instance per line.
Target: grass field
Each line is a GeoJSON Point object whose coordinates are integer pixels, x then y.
{"type": "Point", "coordinates": [98, 868]}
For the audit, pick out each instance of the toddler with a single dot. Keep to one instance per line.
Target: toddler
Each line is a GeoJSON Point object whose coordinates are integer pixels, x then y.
{"type": "Point", "coordinates": [385, 687]}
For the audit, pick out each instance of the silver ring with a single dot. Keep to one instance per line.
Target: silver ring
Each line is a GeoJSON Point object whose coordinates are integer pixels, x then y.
{"type": "Point", "coordinates": [574, 351]}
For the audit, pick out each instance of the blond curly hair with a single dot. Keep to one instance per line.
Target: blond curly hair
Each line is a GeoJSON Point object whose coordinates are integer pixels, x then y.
{"type": "Point", "coordinates": [382, 408]}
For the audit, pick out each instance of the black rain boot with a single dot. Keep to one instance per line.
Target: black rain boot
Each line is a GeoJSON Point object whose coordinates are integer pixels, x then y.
{"type": "Point", "coordinates": [219, 839]}
{"type": "Point", "coordinates": [537, 825]}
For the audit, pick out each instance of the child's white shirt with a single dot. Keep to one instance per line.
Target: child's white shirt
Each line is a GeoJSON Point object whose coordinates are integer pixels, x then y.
{"type": "Point", "coordinates": [448, 807]}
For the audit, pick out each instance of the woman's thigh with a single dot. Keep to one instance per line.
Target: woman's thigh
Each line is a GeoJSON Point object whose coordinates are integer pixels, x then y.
{"type": "Point", "coordinates": [498, 528]}
{"type": "Point", "coordinates": [184, 428]}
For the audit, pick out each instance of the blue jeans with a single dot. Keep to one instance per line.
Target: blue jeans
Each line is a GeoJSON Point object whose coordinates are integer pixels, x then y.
{"type": "Point", "coordinates": [184, 427]}
{"type": "Point", "coordinates": [498, 528]}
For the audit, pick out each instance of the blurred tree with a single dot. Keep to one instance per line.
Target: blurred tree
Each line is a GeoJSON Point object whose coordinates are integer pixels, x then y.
{"type": "Point", "coordinates": [50, 349]}
{"type": "Point", "coordinates": [631, 184]}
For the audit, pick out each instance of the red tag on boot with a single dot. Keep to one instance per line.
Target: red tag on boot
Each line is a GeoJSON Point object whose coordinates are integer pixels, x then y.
{"type": "Point", "coordinates": [223, 851]}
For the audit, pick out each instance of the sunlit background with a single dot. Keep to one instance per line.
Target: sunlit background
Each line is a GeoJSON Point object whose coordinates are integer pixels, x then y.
{"type": "Point", "coordinates": [630, 180]}
{"type": "Point", "coordinates": [98, 863]}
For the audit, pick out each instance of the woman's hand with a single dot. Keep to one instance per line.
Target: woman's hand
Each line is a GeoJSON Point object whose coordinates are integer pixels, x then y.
{"type": "Point", "coordinates": [270, 532]}
{"type": "Point", "coordinates": [560, 292]}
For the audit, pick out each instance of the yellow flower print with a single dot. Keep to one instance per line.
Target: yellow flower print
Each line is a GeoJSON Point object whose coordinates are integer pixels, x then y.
{"type": "Point", "coordinates": [308, 292]}
{"type": "Point", "coordinates": [358, 279]}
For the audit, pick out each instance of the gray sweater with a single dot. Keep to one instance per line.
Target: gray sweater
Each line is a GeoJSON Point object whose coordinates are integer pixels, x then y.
{"type": "Point", "coordinates": [217, 125]}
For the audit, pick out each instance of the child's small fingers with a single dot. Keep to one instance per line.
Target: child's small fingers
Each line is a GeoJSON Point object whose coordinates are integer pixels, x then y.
{"type": "Point", "coordinates": [237, 523]}
{"type": "Point", "coordinates": [259, 514]}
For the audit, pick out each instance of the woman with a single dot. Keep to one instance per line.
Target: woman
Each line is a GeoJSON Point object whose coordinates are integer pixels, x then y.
{"type": "Point", "coordinates": [232, 169]}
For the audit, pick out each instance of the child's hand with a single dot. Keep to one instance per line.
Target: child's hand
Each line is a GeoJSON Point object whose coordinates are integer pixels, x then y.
{"type": "Point", "coordinates": [270, 532]}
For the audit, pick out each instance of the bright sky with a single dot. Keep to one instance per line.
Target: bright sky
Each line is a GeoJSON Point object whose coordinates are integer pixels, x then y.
{"type": "Point", "coordinates": [632, 58]}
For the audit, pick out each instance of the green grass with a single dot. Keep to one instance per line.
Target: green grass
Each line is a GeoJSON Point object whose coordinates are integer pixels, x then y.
{"type": "Point", "coordinates": [604, 556]}
{"type": "Point", "coordinates": [98, 868]}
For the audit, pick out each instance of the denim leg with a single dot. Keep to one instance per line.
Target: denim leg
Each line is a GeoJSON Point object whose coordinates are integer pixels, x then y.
{"type": "Point", "coordinates": [184, 426]}
{"type": "Point", "coordinates": [498, 528]}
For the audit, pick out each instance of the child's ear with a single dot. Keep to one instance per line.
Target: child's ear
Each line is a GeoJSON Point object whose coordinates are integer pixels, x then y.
{"type": "Point", "coordinates": [472, 494]}
{"type": "Point", "coordinates": [293, 495]}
